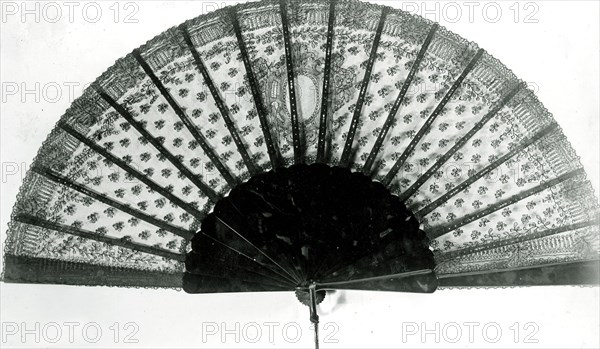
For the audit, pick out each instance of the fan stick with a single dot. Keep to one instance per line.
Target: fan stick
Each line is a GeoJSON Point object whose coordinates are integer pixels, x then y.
{"type": "Point", "coordinates": [574, 273]}
{"type": "Point", "coordinates": [223, 251]}
{"type": "Point", "coordinates": [392, 115]}
{"type": "Point", "coordinates": [384, 260]}
{"type": "Point", "coordinates": [459, 144]}
{"type": "Point", "coordinates": [289, 63]}
{"type": "Point", "coordinates": [324, 268]}
{"type": "Point", "coordinates": [19, 269]}
{"type": "Point", "coordinates": [347, 152]}
{"type": "Point", "coordinates": [489, 168]}
{"type": "Point", "coordinates": [445, 256]}
{"type": "Point", "coordinates": [386, 243]}
{"type": "Point", "coordinates": [207, 190]}
{"type": "Point", "coordinates": [250, 165]}
{"type": "Point", "coordinates": [42, 223]}
{"type": "Point", "coordinates": [387, 180]}
{"type": "Point", "coordinates": [272, 150]}
{"type": "Point", "coordinates": [444, 229]}
{"type": "Point", "coordinates": [141, 177]}
{"type": "Point", "coordinates": [210, 152]}
{"type": "Point", "coordinates": [324, 140]}
{"type": "Point", "coordinates": [223, 284]}
{"type": "Point", "coordinates": [259, 250]}
{"type": "Point", "coordinates": [295, 263]}
{"type": "Point", "coordinates": [287, 277]}
{"type": "Point", "coordinates": [333, 285]}
{"type": "Point", "coordinates": [55, 177]}
{"type": "Point", "coordinates": [221, 269]}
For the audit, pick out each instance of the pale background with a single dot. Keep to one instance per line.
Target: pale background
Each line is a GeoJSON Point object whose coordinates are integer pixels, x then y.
{"type": "Point", "coordinates": [558, 56]}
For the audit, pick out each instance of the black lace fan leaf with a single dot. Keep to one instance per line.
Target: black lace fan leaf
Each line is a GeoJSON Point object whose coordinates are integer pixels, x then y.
{"type": "Point", "coordinates": [306, 146]}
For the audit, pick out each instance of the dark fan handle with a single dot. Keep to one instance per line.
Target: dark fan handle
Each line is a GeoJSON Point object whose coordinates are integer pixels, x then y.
{"type": "Point", "coordinates": [314, 317]}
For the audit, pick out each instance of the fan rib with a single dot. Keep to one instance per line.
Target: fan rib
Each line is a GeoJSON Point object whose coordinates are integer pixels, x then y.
{"type": "Point", "coordinates": [55, 177]}
{"type": "Point", "coordinates": [208, 150]}
{"type": "Point", "coordinates": [445, 256]}
{"type": "Point", "coordinates": [324, 136]}
{"type": "Point", "coordinates": [123, 165]}
{"type": "Point", "coordinates": [387, 180]}
{"type": "Point", "coordinates": [294, 277]}
{"type": "Point", "coordinates": [219, 284]}
{"type": "Point", "coordinates": [331, 285]}
{"type": "Point", "coordinates": [571, 273]}
{"type": "Point", "coordinates": [207, 190]}
{"type": "Point", "coordinates": [241, 147]}
{"type": "Point", "coordinates": [347, 152]}
{"type": "Point", "coordinates": [219, 263]}
{"type": "Point", "coordinates": [25, 269]}
{"type": "Point", "coordinates": [291, 265]}
{"type": "Point", "coordinates": [489, 168]}
{"type": "Point", "coordinates": [241, 275]}
{"type": "Point", "coordinates": [460, 143]}
{"type": "Point", "coordinates": [272, 149]}
{"type": "Point", "coordinates": [392, 115]}
{"type": "Point", "coordinates": [286, 276]}
{"type": "Point", "coordinates": [42, 223]}
{"type": "Point", "coordinates": [289, 63]}
{"type": "Point", "coordinates": [444, 229]}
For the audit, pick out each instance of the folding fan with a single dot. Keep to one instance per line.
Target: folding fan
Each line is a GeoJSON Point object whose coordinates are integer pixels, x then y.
{"type": "Point", "coordinates": [306, 146]}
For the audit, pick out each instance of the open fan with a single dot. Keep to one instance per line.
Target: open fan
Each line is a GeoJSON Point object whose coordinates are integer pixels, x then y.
{"type": "Point", "coordinates": [306, 146]}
